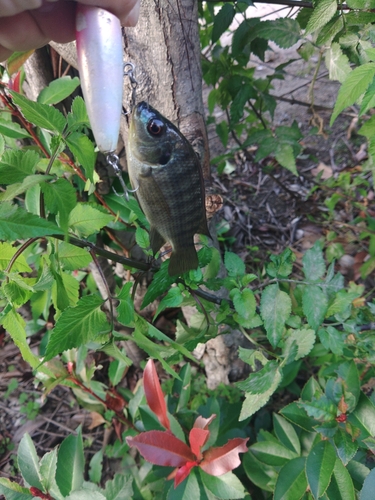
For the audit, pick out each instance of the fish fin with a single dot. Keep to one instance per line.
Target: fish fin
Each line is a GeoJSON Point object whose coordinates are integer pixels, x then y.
{"type": "Point", "coordinates": [156, 240]}
{"type": "Point", "coordinates": [203, 228]}
{"type": "Point", "coordinates": [182, 260]}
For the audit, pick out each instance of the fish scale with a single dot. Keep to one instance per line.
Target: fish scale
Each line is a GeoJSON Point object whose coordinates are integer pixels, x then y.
{"type": "Point", "coordinates": [165, 170]}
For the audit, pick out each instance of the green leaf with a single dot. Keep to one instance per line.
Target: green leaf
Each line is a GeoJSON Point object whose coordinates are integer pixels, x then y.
{"type": "Point", "coordinates": [341, 486]}
{"type": "Point", "coordinates": [284, 154]}
{"type": "Point", "coordinates": [313, 263]}
{"type": "Point", "coordinates": [182, 387]}
{"type": "Point", "coordinates": [319, 467]}
{"type": "Point", "coordinates": [17, 224]}
{"type": "Point", "coordinates": [65, 290]}
{"type": "Point", "coordinates": [275, 309]}
{"type": "Point", "coordinates": [15, 325]}
{"type": "Point", "coordinates": [330, 30]}
{"type": "Point", "coordinates": [368, 100]}
{"type": "Point", "coordinates": [96, 467]}
{"type": "Point", "coordinates": [125, 308]}
{"type": "Point", "coordinates": [244, 93]}
{"type": "Point", "coordinates": [15, 165]}
{"type": "Point", "coordinates": [346, 448]}
{"type": "Point", "coordinates": [244, 304]}
{"type": "Point", "coordinates": [84, 152]}
{"type": "Point", "coordinates": [85, 219]}
{"type": "Point", "coordinates": [18, 188]}
{"type": "Point", "coordinates": [28, 462]}
{"type": "Point", "coordinates": [77, 325]}
{"type": "Point", "coordinates": [361, 4]}
{"type": "Point", "coordinates": [78, 117]}
{"type": "Point", "coordinates": [70, 464]}
{"type": "Point", "coordinates": [260, 381]}
{"type": "Point", "coordinates": [364, 416]}
{"type": "Point", "coordinates": [314, 304]}
{"type": "Point", "coordinates": [264, 476]}
{"type": "Point", "coordinates": [72, 257]}
{"type": "Point", "coordinates": [41, 115]}
{"type": "Point", "coordinates": [281, 265]}
{"type": "Point", "coordinates": [367, 492]}
{"type": "Point", "coordinates": [7, 251]}
{"type": "Point", "coordinates": [142, 237]}
{"type": "Point", "coordinates": [272, 453]}
{"type": "Point", "coordinates": [234, 264]}
{"type": "Point", "coordinates": [322, 13]}
{"type": "Point", "coordinates": [253, 402]}
{"type": "Point", "coordinates": [160, 283]}
{"type": "Point", "coordinates": [119, 488]}
{"type": "Point", "coordinates": [173, 298]}
{"type": "Point", "coordinates": [222, 21]}
{"type": "Point", "coordinates": [48, 464]}
{"type": "Point", "coordinates": [12, 129]}
{"type": "Point", "coordinates": [320, 409]}
{"type": "Point", "coordinates": [348, 373]}
{"type": "Point", "coordinates": [226, 487]}
{"type": "Point", "coordinates": [303, 339]}
{"type": "Point", "coordinates": [58, 90]}
{"type": "Point", "coordinates": [60, 198]}
{"type": "Point", "coordinates": [353, 87]}
{"type": "Point", "coordinates": [285, 32]}
{"type": "Point", "coordinates": [13, 491]}
{"type": "Point", "coordinates": [286, 433]}
{"type": "Point", "coordinates": [116, 372]}
{"type": "Point", "coordinates": [337, 63]}
{"type": "Point", "coordinates": [291, 483]}
{"type": "Point", "coordinates": [187, 489]}
{"type": "Point", "coordinates": [298, 416]}
{"type": "Point", "coordinates": [332, 339]}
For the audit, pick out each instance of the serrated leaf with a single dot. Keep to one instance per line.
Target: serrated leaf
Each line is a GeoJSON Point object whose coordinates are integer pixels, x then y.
{"type": "Point", "coordinates": [78, 116]}
{"type": "Point", "coordinates": [85, 219]}
{"type": "Point", "coordinates": [303, 339]}
{"type": "Point", "coordinates": [60, 198]}
{"type": "Point", "coordinates": [284, 154]}
{"type": "Point", "coordinates": [330, 30]}
{"type": "Point", "coordinates": [48, 464]}
{"type": "Point", "coordinates": [15, 325]}
{"type": "Point", "coordinates": [368, 100]}
{"type": "Point", "coordinates": [142, 237]}
{"type": "Point", "coordinates": [173, 298]}
{"type": "Point", "coordinates": [13, 130]}
{"type": "Point", "coordinates": [13, 491]}
{"type": "Point", "coordinates": [291, 483]}
{"type": "Point", "coordinates": [285, 32]}
{"type": "Point", "coordinates": [15, 165]}
{"type": "Point", "coordinates": [84, 151]}
{"type": "Point", "coordinates": [346, 448]}
{"type": "Point", "coordinates": [77, 325]}
{"type": "Point", "coordinates": [70, 464]}
{"type": "Point", "coordinates": [253, 402]}
{"type": "Point", "coordinates": [320, 409]}
{"type": "Point", "coordinates": [244, 304]}
{"type": "Point", "coordinates": [322, 13]}
{"type": "Point", "coordinates": [119, 488]}
{"type": "Point", "coordinates": [315, 304]}
{"type": "Point", "coordinates": [125, 308]}
{"type": "Point", "coordinates": [259, 381]}
{"type": "Point", "coordinates": [58, 90]}
{"type": "Point", "coordinates": [17, 224]}
{"type": "Point", "coordinates": [244, 93]}
{"type": "Point", "coordinates": [367, 491]}
{"type": "Point", "coordinates": [28, 462]}
{"type": "Point", "coordinates": [222, 21]}
{"type": "Point", "coordinates": [337, 63]}
{"type": "Point", "coordinates": [234, 264]}
{"type": "Point", "coordinates": [72, 257]}
{"type": "Point", "coordinates": [96, 467]}
{"type": "Point", "coordinates": [353, 87]}
{"type": "Point", "coordinates": [320, 463]}
{"type": "Point", "coordinates": [313, 263]}
{"type": "Point", "coordinates": [332, 339]}
{"type": "Point", "coordinates": [160, 283]}
{"type": "Point", "coordinates": [275, 309]}
{"type": "Point", "coordinates": [41, 115]}
{"type": "Point", "coordinates": [7, 251]}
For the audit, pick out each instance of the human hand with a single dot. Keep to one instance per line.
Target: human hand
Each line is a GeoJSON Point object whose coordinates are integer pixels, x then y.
{"type": "Point", "coordinates": [29, 24]}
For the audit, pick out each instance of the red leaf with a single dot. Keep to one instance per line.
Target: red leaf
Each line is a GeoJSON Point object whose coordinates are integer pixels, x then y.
{"type": "Point", "coordinates": [203, 423]}
{"type": "Point", "coordinates": [154, 394]}
{"type": "Point", "coordinates": [197, 439]}
{"type": "Point", "coordinates": [183, 472]}
{"type": "Point", "coordinates": [218, 461]}
{"type": "Point", "coordinates": [162, 448]}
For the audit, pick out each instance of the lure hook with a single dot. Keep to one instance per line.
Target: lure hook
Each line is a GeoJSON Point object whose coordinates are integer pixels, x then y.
{"type": "Point", "coordinates": [114, 161]}
{"type": "Point", "coordinates": [129, 70]}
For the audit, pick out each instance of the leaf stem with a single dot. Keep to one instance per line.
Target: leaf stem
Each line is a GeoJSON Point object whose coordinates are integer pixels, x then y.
{"type": "Point", "coordinates": [21, 249]}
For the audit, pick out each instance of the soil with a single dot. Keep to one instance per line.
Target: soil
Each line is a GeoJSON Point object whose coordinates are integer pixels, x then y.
{"type": "Point", "coordinates": [264, 211]}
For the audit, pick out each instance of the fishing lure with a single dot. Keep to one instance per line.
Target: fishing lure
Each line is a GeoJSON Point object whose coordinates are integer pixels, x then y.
{"type": "Point", "coordinates": [101, 68]}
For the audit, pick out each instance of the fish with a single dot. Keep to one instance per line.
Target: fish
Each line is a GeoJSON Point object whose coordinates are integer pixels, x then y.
{"type": "Point", "coordinates": [166, 173]}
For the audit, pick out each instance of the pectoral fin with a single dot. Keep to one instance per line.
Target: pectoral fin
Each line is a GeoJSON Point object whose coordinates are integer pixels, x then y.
{"type": "Point", "coordinates": [156, 240]}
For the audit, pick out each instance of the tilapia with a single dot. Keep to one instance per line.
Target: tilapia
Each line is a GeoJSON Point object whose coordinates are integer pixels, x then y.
{"type": "Point", "coordinates": [165, 171]}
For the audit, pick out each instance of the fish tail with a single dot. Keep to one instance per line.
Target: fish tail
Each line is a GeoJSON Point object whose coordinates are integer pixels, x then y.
{"type": "Point", "coordinates": [182, 260]}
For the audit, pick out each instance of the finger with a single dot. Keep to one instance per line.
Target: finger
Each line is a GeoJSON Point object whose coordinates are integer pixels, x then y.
{"type": "Point", "coordinates": [126, 10]}
{"type": "Point", "coordinates": [20, 32]}
{"type": "Point", "coordinates": [4, 53]}
{"type": "Point", "coordinates": [13, 7]}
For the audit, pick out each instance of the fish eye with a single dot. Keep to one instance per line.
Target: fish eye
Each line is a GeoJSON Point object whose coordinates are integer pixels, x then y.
{"type": "Point", "coordinates": [155, 126]}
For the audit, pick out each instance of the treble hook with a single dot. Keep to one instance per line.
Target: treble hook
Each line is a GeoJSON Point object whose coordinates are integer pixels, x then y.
{"type": "Point", "coordinates": [114, 161]}
{"type": "Point", "coordinates": [133, 82]}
